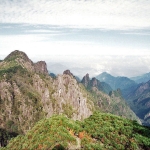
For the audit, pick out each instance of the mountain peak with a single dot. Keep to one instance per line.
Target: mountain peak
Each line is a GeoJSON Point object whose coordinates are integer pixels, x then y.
{"type": "Point", "coordinates": [41, 67]}
{"type": "Point", "coordinates": [22, 59]}
{"type": "Point", "coordinates": [68, 72]}
{"type": "Point", "coordinates": [105, 74]}
{"type": "Point", "coordinates": [17, 54]}
{"type": "Point", "coordinates": [94, 82]}
{"type": "Point", "coordinates": [86, 80]}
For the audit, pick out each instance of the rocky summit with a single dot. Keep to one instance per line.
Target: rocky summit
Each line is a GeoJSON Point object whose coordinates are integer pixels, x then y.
{"type": "Point", "coordinates": [28, 94]}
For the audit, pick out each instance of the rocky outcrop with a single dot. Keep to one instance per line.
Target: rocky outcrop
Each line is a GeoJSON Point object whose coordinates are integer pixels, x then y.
{"type": "Point", "coordinates": [68, 72]}
{"type": "Point", "coordinates": [26, 96]}
{"type": "Point", "coordinates": [70, 99]}
{"type": "Point", "coordinates": [102, 86]}
{"type": "Point", "coordinates": [22, 59]}
{"type": "Point", "coordinates": [94, 82]}
{"type": "Point", "coordinates": [41, 67]}
{"type": "Point", "coordinates": [17, 54]}
{"type": "Point", "coordinates": [85, 81]}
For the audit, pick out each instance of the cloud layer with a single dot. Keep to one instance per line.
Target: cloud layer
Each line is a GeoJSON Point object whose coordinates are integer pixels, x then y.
{"type": "Point", "coordinates": [94, 35]}
{"type": "Point", "coordinates": [118, 14]}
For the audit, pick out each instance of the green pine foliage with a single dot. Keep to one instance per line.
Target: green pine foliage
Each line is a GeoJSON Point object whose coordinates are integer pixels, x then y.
{"type": "Point", "coordinates": [100, 131]}
{"type": "Point", "coordinates": [114, 132]}
{"type": "Point", "coordinates": [47, 134]}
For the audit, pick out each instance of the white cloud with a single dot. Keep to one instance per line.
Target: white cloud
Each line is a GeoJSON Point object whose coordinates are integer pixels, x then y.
{"type": "Point", "coordinates": [94, 65]}
{"type": "Point", "coordinates": [43, 45]}
{"type": "Point", "coordinates": [102, 53]}
{"type": "Point", "coordinates": [118, 14]}
{"type": "Point", "coordinates": [79, 55]}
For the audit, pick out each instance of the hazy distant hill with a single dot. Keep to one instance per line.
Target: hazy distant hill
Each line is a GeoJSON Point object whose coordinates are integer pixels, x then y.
{"type": "Point", "coordinates": [52, 75]}
{"type": "Point", "coordinates": [116, 82]}
{"type": "Point", "coordinates": [139, 101]}
{"type": "Point", "coordinates": [141, 79]}
{"type": "Point", "coordinates": [125, 84]}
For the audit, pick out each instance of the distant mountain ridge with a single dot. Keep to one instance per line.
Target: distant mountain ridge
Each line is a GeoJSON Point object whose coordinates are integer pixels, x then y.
{"type": "Point", "coordinates": [125, 84]}
{"type": "Point", "coordinates": [142, 79]}
{"type": "Point", "coordinates": [136, 94]}
{"type": "Point", "coordinates": [116, 82]}
{"type": "Point", "coordinates": [106, 100]}
{"type": "Point", "coordinates": [139, 101]}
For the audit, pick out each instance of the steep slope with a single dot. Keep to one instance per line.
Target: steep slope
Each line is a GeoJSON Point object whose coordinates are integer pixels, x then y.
{"type": "Point", "coordinates": [28, 93]}
{"type": "Point", "coordinates": [116, 82]}
{"type": "Point", "coordinates": [139, 101]}
{"type": "Point", "coordinates": [112, 103]}
{"type": "Point", "coordinates": [141, 79]}
{"type": "Point", "coordinates": [99, 131]}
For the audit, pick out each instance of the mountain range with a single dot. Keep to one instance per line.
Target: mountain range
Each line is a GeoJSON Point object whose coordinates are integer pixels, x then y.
{"type": "Point", "coordinates": [116, 82]}
{"type": "Point", "coordinates": [141, 79]}
{"type": "Point", "coordinates": [28, 93]}
{"type": "Point", "coordinates": [136, 92]}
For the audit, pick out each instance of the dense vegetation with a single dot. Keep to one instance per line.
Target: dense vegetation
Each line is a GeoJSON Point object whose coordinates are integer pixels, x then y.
{"type": "Point", "coordinates": [99, 131]}
{"type": "Point", "coordinates": [114, 132]}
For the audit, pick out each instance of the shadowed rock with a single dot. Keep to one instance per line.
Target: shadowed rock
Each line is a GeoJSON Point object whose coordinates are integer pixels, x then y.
{"type": "Point", "coordinates": [41, 67]}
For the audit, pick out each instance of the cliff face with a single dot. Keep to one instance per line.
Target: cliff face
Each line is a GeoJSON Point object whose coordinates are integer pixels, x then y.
{"type": "Point", "coordinates": [86, 79]}
{"type": "Point", "coordinates": [28, 94]}
{"type": "Point", "coordinates": [41, 67]}
{"type": "Point", "coordinates": [70, 98]}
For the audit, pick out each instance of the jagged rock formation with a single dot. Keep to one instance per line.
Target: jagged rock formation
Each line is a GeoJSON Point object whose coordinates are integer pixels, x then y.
{"type": "Point", "coordinates": [112, 103]}
{"type": "Point", "coordinates": [95, 83]}
{"type": "Point", "coordinates": [28, 93]}
{"type": "Point", "coordinates": [68, 72]}
{"type": "Point", "coordinates": [86, 80]}
{"type": "Point", "coordinates": [41, 67]}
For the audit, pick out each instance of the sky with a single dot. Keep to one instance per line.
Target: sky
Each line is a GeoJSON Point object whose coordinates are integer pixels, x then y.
{"type": "Point", "coordinates": [85, 36]}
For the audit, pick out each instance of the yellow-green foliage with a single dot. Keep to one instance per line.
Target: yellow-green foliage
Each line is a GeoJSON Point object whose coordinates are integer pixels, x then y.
{"type": "Point", "coordinates": [114, 132]}
{"type": "Point", "coordinates": [99, 131]}
{"type": "Point", "coordinates": [46, 134]}
{"type": "Point", "coordinates": [68, 110]}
